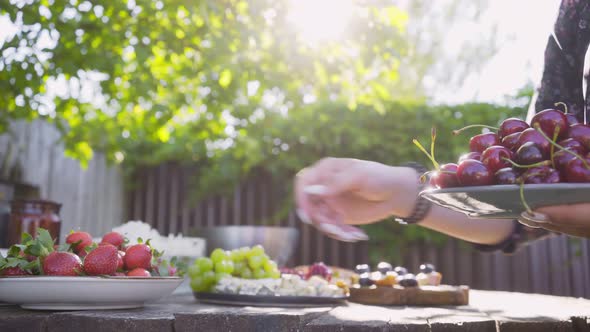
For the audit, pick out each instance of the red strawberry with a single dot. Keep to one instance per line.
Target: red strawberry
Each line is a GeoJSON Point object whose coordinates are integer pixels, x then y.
{"type": "Point", "coordinates": [84, 238]}
{"type": "Point", "coordinates": [59, 263]}
{"type": "Point", "coordinates": [102, 261]}
{"type": "Point", "coordinates": [120, 262]}
{"type": "Point", "coordinates": [138, 255]}
{"type": "Point", "coordinates": [82, 253]}
{"type": "Point", "coordinates": [13, 271]}
{"type": "Point", "coordinates": [138, 272]}
{"type": "Point", "coordinates": [114, 238]}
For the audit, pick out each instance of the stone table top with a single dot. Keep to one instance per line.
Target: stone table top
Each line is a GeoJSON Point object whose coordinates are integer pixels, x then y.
{"type": "Point", "coordinates": [488, 311]}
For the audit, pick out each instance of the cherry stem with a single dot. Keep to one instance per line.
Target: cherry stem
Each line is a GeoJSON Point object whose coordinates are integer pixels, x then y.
{"type": "Point", "coordinates": [458, 131]}
{"type": "Point", "coordinates": [564, 106]}
{"type": "Point", "coordinates": [552, 152]}
{"type": "Point", "coordinates": [436, 165]}
{"type": "Point", "coordinates": [540, 163]}
{"type": "Point", "coordinates": [537, 127]}
{"type": "Point", "coordinates": [526, 206]}
{"type": "Point", "coordinates": [432, 140]}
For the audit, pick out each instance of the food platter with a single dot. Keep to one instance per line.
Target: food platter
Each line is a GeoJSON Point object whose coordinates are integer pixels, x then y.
{"type": "Point", "coordinates": [416, 296]}
{"type": "Point", "coordinates": [268, 301]}
{"type": "Point", "coordinates": [84, 293]}
{"type": "Point", "coordinates": [504, 201]}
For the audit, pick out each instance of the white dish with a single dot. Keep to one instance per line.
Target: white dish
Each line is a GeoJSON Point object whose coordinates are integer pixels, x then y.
{"type": "Point", "coordinates": [84, 293]}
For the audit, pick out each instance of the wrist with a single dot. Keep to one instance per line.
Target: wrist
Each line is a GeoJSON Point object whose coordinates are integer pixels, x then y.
{"type": "Point", "coordinates": [405, 191]}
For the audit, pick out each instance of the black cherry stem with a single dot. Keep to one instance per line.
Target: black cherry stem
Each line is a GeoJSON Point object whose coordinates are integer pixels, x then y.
{"type": "Point", "coordinates": [537, 127]}
{"type": "Point", "coordinates": [458, 131]}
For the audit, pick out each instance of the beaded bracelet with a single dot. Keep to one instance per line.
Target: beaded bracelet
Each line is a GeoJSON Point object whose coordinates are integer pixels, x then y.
{"type": "Point", "coordinates": [422, 206]}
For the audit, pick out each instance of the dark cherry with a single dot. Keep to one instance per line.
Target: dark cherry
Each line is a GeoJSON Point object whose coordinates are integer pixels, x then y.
{"type": "Point", "coordinates": [443, 179]}
{"type": "Point", "coordinates": [573, 145]}
{"type": "Point", "coordinates": [474, 173]}
{"type": "Point", "coordinates": [541, 174]}
{"type": "Point", "coordinates": [529, 153]}
{"type": "Point", "coordinates": [548, 120]}
{"type": "Point", "coordinates": [532, 135]}
{"type": "Point", "coordinates": [581, 133]}
{"type": "Point", "coordinates": [470, 155]}
{"type": "Point", "coordinates": [576, 171]}
{"type": "Point", "coordinates": [511, 126]}
{"type": "Point", "coordinates": [479, 143]}
{"type": "Point", "coordinates": [494, 157]}
{"type": "Point", "coordinates": [511, 141]}
{"type": "Point", "coordinates": [506, 175]}
{"type": "Point", "coordinates": [561, 159]}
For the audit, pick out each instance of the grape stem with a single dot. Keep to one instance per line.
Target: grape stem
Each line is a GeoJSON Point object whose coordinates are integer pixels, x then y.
{"type": "Point", "coordinates": [537, 127]}
{"type": "Point", "coordinates": [458, 131]}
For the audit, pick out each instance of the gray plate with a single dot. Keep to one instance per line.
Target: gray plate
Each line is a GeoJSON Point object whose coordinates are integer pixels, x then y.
{"type": "Point", "coordinates": [503, 201]}
{"type": "Point", "coordinates": [269, 301]}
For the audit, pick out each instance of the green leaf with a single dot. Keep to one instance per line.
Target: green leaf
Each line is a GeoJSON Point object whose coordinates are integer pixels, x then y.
{"type": "Point", "coordinates": [225, 78]}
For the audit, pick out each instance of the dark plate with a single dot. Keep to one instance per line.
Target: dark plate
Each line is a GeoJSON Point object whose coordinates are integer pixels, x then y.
{"type": "Point", "coordinates": [268, 301]}
{"type": "Point", "coordinates": [503, 201]}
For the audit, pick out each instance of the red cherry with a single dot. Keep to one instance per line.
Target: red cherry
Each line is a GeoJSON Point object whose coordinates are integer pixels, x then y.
{"type": "Point", "coordinates": [576, 171]}
{"type": "Point", "coordinates": [446, 177]}
{"type": "Point", "coordinates": [550, 119]}
{"type": "Point", "coordinates": [506, 175]}
{"type": "Point", "coordinates": [573, 145]}
{"type": "Point", "coordinates": [470, 155]}
{"type": "Point", "coordinates": [529, 153]}
{"type": "Point", "coordinates": [479, 143]}
{"type": "Point", "coordinates": [511, 126]}
{"type": "Point", "coordinates": [541, 174]}
{"type": "Point", "coordinates": [532, 135]}
{"type": "Point", "coordinates": [474, 173]}
{"type": "Point", "coordinates": [511, 141]}
{"type": "Point", "coordinates": [494, 157]}
{"type": "Point", "coordinates": [561, 159]}
{"type": "Point", "coordinates": [581, 133]}
{"type": "Point", "coordinates": [571, 119]}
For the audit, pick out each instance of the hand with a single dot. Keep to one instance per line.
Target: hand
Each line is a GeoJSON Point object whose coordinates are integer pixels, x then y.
{"type": "Point", "coordinates": [336, 193]}
{"type": "Point", "coordinates": [567, 219]}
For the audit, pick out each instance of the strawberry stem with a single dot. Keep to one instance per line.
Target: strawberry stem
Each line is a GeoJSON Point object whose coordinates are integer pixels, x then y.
{"type": "Point", "coordinates": [538, 128]}
{"type": "Point", "coordinates": [458, 131]}
{"type": "Point", "coordinates": [436, 165]}
{"type": "Point", "coordinates": [564, 106]}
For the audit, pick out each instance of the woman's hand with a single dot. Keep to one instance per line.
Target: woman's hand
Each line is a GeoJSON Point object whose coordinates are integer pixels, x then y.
{"type": "Point", "coordinates": [336, 193]}
{"type": "Point", "coordinates": [571, 219]}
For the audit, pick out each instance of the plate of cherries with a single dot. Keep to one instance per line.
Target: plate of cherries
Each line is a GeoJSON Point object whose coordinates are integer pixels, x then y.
{"type": "Point", "coordinates": [516, 167]}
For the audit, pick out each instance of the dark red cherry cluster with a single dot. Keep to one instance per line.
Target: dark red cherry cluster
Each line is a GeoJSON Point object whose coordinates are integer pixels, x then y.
{"type": "Point", "coordinates": [554, 148]}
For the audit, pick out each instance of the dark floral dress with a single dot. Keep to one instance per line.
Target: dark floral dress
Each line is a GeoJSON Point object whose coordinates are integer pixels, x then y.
{"type": "Point", "coordinates": [564, 78]}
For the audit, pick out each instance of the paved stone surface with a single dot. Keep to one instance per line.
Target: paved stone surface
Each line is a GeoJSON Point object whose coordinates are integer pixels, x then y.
{"type": "Point", "coordinates": [488, 311]}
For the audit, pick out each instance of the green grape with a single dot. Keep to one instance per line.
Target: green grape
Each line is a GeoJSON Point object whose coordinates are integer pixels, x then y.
{"type": "Point", "coordinates": [194, 271]}
{"type": "Point", "coordinates": [199, 284]}
{"type": "Point", "coordinates": [259, 274]}
{"type": "Point", "coordinates": [269, 265]}
{"type": "Point", "coordinates": [257, 250]}
{"type": "Point", "coordinates": [237, 255]}
{"type": "Point", "coordinates": [204, 263]}
{"type": "Point", "coordinates": [255, 262]}
{"type": "Point", "coordinates": [219, 255]}
{"type": "Point", "coordinates": [239, 266]}
{"type": "Point", "coordinates": [225, 266]}
{"type": "Point", "coordinates": [209, 278]}
{"type": "Point", "coordinates": [246, 273]}
{"type": "Point", "coordinates": [219, 276]}
{"type": "Point", "coordinates": [274, 274]}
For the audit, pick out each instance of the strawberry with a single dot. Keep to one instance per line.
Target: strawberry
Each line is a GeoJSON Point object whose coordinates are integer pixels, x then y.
{"type": "Point", "coordinates": [120, 261]}
{"type": "Point", "coordinates": [59, 263]}
{"type": "Point", "coordinates": [102, 261]}
{"type": "Point", "coordinates": [13, 271]}
{"type": "Point", "coordinates": [81, 239]}
{"type": "Point", "coordinates": [114, 238]}
{"type": "Point", "coordinates": [138, 272]}
{"type": "Point", "coordinates": [138, 255]}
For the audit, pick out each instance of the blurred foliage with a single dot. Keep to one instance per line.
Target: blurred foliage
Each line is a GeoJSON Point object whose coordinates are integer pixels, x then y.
{"type": "Point", "coordinates": [231, 87]}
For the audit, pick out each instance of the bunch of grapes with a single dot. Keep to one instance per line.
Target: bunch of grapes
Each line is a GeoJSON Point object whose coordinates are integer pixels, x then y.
{"type": "Point", "coordinates": [246, 262]}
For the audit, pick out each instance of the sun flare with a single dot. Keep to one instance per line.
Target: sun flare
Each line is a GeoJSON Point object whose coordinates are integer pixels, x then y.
{"type": "Point", "coordinates": [320, 20]}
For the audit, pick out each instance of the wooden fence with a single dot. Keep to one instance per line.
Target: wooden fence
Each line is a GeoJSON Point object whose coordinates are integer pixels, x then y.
{"type": "Point", "coordinates": [92, 198]}
{"type": "Point", "coordinates": [559, 266]}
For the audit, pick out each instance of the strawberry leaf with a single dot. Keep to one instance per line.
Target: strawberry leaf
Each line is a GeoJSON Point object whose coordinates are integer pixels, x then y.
{"type": "Point", "coordinates": [45, 239]}
{"type": "Point", "coordinates": [14, 250]}
{"type": "Point", "coordinates": [26, 238]}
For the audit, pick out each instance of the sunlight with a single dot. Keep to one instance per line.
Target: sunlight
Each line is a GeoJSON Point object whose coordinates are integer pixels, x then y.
{"type": "Point", "coordinates": [323, 20]}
